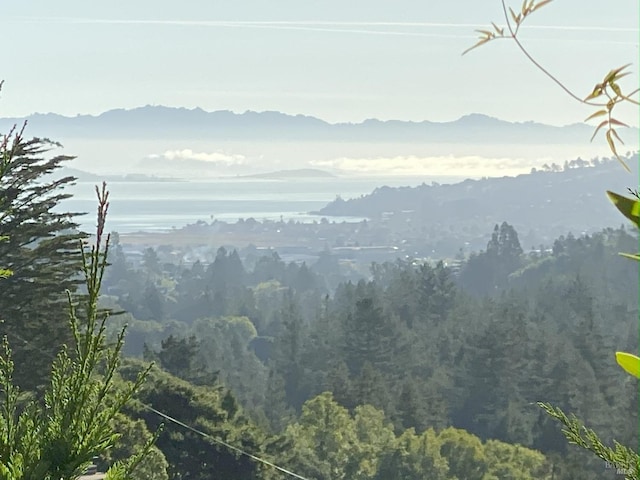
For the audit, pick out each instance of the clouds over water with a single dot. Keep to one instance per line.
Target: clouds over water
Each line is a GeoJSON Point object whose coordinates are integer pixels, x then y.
{"type": "Point", "coordinates": [216, 158]}
{"type": "Point", "coordinates": [470, 165]}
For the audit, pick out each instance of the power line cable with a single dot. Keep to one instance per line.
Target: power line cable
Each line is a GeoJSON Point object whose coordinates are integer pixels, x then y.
{"type": "Point", "coordinates": [222, 442]}
{"type": "Point", "coordinates": [188, 427]}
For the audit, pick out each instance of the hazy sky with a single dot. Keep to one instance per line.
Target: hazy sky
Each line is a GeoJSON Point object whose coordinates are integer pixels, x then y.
{"type": "Point", "coordinates": [337, 60]}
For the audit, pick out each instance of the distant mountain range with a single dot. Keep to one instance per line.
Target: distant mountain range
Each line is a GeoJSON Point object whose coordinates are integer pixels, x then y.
{"type": "Point", "coordinates": [165, 122]}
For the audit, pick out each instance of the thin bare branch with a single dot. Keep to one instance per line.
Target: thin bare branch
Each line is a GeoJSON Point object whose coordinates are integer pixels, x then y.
{"type": "Point", "coordinates": [537, 64]}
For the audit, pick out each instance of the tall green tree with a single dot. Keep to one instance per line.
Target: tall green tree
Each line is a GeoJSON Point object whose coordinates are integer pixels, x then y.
{"type": "Point", "coordinates": [369, 336]}
{"type": "Point", "coordinates": [488, 272]}
{"type": "Point", "coordinates": [414, 457]}
{"type": "Point", "coordinates": [41, 249]}
{"type": "Point", "coordinates": [212, 411]}
{"type": "Point", "coordinates": [288, 350]}
{"type": "Point", "coordinates": [58, 438]}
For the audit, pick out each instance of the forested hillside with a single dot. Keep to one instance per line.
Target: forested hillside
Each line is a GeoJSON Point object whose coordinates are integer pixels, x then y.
{"type": "Point", "coordinates": [237, 324]}
{"type": "Point", "coordinates": [265, 368]}
{"type": "Point", "coordinates": [541, 205]}
{"type": "Point", "coordinates": [418, 353]}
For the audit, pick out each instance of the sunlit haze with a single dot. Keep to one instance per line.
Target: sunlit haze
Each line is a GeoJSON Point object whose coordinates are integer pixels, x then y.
{"type": "Point", "coordinates": [339, 61]}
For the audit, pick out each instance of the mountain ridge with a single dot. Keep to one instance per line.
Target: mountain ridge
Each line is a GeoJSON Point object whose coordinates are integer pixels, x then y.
{"type": "Point", "coordinates": [180, 122]}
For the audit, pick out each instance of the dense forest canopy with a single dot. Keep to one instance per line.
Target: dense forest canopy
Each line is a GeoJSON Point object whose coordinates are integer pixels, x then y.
{"type": "Point", "coordinates": [428, 348]}
{"type": "Point", "coordinates": [415, 369]}
{"type": "Point", "coordinates": [484, 299]}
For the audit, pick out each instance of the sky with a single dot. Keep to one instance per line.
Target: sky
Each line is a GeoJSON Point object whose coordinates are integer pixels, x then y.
{"type": "Point", "coordinates": [336, 60]}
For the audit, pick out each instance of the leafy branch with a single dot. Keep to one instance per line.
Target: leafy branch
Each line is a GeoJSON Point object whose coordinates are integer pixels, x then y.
{"type": "Point", "coordinates": [625, 460]}
{"type": "Point", "coordinates": [605, 95]}
{"type": "Point", "coordinates": [622, 458]}
{"type": "Point", "coordinates": [57, 440]}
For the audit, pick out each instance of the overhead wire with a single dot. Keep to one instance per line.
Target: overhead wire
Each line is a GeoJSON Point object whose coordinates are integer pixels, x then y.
{"type": "Point", "coordinates": [189, 427]}
{"type": "Point", "coordinates": [228, 445]}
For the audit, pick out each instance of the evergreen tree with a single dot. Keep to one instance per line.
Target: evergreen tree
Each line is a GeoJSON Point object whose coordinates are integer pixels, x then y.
{"type": "Point", "coordinates": [42, 250]}
{"type": "Point", "coordinates": [337, 382]}
{"type": "Point", "coordinates": [212, 411]}
{"type": "Point", "coordinates": [153, 302]}
{"type": "Point", "coordinates": [414, 457]}
{"type": "Point", "coordinates": [151, 263]}
{"type": "Point", "coordinates": [369, 337]}
{"type": "Point", "coordinates": [276, 409]}
{"type": "Point", "coordinates": [59, 437]}
{"type": "Point", "coordinates": [488, 272]}
{"type": "Point", "coordinates": [370, 388]}
{"type": "Point", "coordinates": [288, 350]}
{"type": "Point", "coordinates": [401, 290]}
{"type": "Point", "coordinates": [179, 356]}
{"type": "Point", "coordinates": [411, 406]}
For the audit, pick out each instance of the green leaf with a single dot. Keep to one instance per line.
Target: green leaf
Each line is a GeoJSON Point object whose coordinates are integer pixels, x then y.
{"type": "Point", "coordinates": [630, 363]}
{"type": "Point", "coordinates": [628, 207]}
{"type": "Point", "coordinates": [631, 256]}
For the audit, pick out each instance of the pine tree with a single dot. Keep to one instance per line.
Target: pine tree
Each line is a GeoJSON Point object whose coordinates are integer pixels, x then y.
{"type": "Point", "coordinates": [42, 251]}
{"type": "Point", "coordinates": [370, 388]}
{"type": "Point", "coordinates": [337, 382]}
{"type": "Point", "coordinates": [369, 337]}
{"type": "Point", "coordinates": [288, 350]}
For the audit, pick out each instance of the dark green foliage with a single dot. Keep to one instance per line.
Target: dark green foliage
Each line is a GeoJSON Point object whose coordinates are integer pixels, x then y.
{"type": "Point", "coordinates": [370, 387]}
{"type": "Point", "coordinates": [226, 270]}
{"type": "Point", "coordinates": [414, 343]}
{"type": "Point", "coordinates": [487, 272]}
{"type": "Point", "coordinates": [369, 337]}
{"type": "Point", "coordinates": [42, 250]}
{"type": "Point", "coordinates": [57, 438]}
{"type": "Point", "coordinates": [327, 442]}
{"type": "Point", "coordinates": [134, 436]}
{"type": "Point", "coordinates": [422, 405]}
{"type": "Point", "coordinates": [340, 384]}
{"type": "Point", "coordinates": [287, 360]}
{"type": "Point", "coordinates": [277, 411]}
{"type": "Point", "coordinates": [212, 411]}
{"type": "Point", "coordinates": [180, 357]}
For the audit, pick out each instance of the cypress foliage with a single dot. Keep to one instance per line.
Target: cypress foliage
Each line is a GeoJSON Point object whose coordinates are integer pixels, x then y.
{"type": "Point", "coordinates": [41, 248]}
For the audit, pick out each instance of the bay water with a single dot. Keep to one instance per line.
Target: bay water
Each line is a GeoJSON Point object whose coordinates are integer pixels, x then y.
{"type": "Point", "coordinates": [157, 206]}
